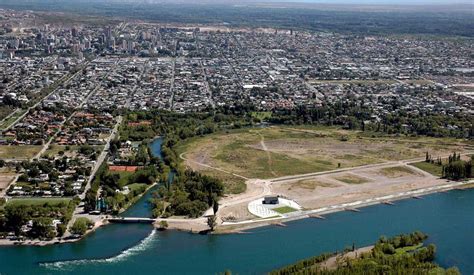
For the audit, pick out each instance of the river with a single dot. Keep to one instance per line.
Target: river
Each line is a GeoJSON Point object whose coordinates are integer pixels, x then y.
{"type": "Point", "coordinates": [137, 248]}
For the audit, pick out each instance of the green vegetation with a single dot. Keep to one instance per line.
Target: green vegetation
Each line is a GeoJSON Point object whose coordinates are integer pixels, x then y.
{"type": "Point", "coordinates": [54, 150]}
{"type": "Point", "coordinates": [18, 152]}
{"type": "Point", "coordinates": [211, 222]}
{"type": "Point", "coordinates": [431, 168]}
{"type": "Point", "coordinates": [457, 169]}
{"type": "Point", "coordinates": [111, 182]}
{"type": "Point", "coordinates": [163, 225]}
{"type": "Point", "coordinates": [190, 195]}
{"type": "Point", "coordinates": [451, 168]}
{"type": "Point", "coordinates": [18, 212]}
{"type": "Point", "coordinates": [310, 184]}
{"type": "Point", "coordinates": [352, 179]}
{"type": "Point", "coordinates": [81, 225]}
{"type": "Point", "coordinates": [7, 122]}
{"type": "Point", "coordinates": [284, 209]}
{"type": "Point", "coordinates": [397, 171]}
{"type": "Point", "coordinates": [39, 201]}
{"type": "Point", "coordinates": [261, 116]}
{"type": "Point", "coordinates": [404, 254]}
{"type": "Point", "coordinates": [301, 149]}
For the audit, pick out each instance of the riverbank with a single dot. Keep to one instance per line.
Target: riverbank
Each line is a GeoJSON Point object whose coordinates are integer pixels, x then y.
{"type": "Point", "coordinates": [331, 263]}
{"type": "Point", "coordinates": [101, 221]}
{"type": "Point", "coordinates": [98, 220]}
{"type": "Point", "coordinates": [239, 227]}
{"type": "Point", "coordinates": [200, 224]}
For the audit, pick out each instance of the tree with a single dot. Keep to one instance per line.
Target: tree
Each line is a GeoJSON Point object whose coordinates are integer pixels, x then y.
{"type": "Point", "coordinates": [16, 217]}
{"type": "Point", "coordinates": [80, 226]}
{"type": "Point", "coordinates": [61, 229]}
{"type": "Point", "coordinates": [212, 222]}
{"type": "Point", "coordinates": [215, 204]}
{"type": "Point", "coordinates": [163, 225]}
{"type": "Point", "coordinates": [42, 228]}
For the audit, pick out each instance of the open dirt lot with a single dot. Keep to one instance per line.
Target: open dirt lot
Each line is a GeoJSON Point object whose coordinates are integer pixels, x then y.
{"type": "Point", "coordinates": [281, 151]}
{"type": "Point", "coordinates": [18, 152]}
{"type": "Point", "coordinates": [5, 180]}
{"type": "Point", "coordinates": [329, 189]}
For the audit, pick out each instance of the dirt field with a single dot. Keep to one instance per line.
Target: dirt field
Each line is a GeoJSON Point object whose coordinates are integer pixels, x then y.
{"type": "Point", "coordinates": [327, 189]}
{"type": "Point", "coordinates": [330, 189]}
{"type": "Point", "coordinates": [18, 152]}
{"type": "Point", "coordinates": [5, 180]}
{"type": "Point", "coordinates": [281, 151]}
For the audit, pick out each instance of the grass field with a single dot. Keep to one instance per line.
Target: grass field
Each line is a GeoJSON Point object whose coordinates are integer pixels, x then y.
{"type": "Point", "coordinates": [261, 115]}
{"type": "Point", "coordinates": [284, 209]}
{"type": "Point", "coordinates": [281, 151]}
{"type": "Point", "coordinates": [396, 172]}
{"type": "Point", "coordinates": [54, 149]}
{"type": "Point", "coordinates": [137, 186]}
{"type": "Point", "coordinates": [352, 179]}
{"type": "Point", "coordinates": [124, 176]}
{"type": "Point", "coordinates": [232, 184]}
{"type": "Point", "coordinates": [310, 184]}
{"type": "Point", "coordinates": [18, 152]}
{"type": "Point", "coordinates": [431, 168]}
{"type": "Point", "coordinates": [38, 201]}
{"type": "Point", "coordinates": [7, 122]}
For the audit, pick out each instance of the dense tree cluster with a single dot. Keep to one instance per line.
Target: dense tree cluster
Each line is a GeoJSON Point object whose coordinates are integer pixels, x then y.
{"type": "Point", "coordinates": [190, 195]}
{"type": "Point", "coordinates": [456, 168]}
{"type": "Point", "coordinates": [15, 216]}
{"type": "Point", "coordinates": [402, 254]}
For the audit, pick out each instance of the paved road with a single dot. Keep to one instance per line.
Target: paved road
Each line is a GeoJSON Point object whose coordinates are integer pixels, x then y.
{"type": "Point", "coordinates": [79, 211]}
{"type": "Point", "coordinates": [101, 157]}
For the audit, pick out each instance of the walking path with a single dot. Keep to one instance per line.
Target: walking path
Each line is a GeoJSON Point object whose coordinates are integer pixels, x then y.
{"type": "Point", "coordinates": [356, 204]}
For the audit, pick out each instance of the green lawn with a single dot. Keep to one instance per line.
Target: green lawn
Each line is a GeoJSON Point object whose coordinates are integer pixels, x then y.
{"type": "Point", "coordinates": [137, 186]}
{"type": "Point", "coordinates": [434, 169]}
{"type": "Point", "coordinates": [38, 201]}
{"type": "Point", "coordinates": [7, 122]}
{"type": "Point", "coordinates": [284, 209]}
{"type": "Point", "coordinates": [261, 115]}
{"type": "Point", "coordinates": [124, 176]}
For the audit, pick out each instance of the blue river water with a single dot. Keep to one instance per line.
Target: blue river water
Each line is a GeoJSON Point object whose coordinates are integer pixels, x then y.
{"type": "Point", "coordinates": [124, 249]}
{"type": "Point", "coordinates": [138, 249]}
{"type": "Point", "coordinates": [155, 147]}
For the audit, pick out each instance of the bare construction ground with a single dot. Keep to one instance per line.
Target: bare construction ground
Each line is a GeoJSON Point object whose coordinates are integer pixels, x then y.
{"type": "Point", "coordinates": [331, 189]}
